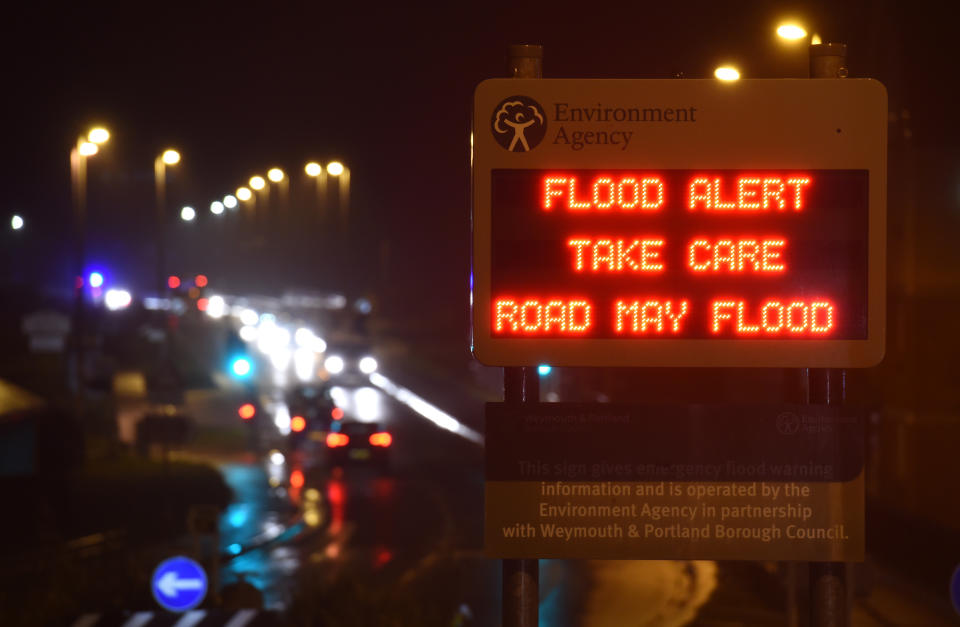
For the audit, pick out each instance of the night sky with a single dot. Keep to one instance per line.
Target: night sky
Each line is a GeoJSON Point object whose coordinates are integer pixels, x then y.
{"type": "Point", "coordinates": [238, 88]}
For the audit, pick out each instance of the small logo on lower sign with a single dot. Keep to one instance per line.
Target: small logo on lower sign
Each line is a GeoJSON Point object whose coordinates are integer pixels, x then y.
{"type": "Point", "coordinates": [519, 123]}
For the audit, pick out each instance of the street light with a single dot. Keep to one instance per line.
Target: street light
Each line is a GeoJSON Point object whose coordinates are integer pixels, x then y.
{"type": "Point", "coordinates": [167, 157]}
{"type": "Point", "coordinates": [216, 207]}
{"type": "Point", "coordinates": [230, 201]}
{"type": "Point", "coordinates": [791, 31]}
{"type": "Point", "coordinates": [187, 214]}
{"type": "Point", "coordinates": [16, 222]}
{"type": "Point", "coordinates": [244, 194]}
{"type": "Point", "coordinates": [85, 147]}
{"type": "Point", "coordinates": [257, 183]}
{"type": "Point", "coordinates": [275, 175]}
{"type": "Point", "coordinates": [727, 73]}
{"type": "Point", "coordinates": [98, 135]}
{"type": "Point", "coordinates": [342, 174]}
{"type": "Point", "coordinates": [316, 171]}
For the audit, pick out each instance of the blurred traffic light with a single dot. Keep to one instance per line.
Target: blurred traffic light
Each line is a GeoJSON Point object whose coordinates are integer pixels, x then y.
{"type": "Point", "coordinates": [543, 370]}
{"type": "Point", "coordinates": [336, 413]}
{"type": "Point", "coordinates": [200, 280]}
{"type": "Point", "coordinates": [173, 281]}
{"type": "Point", "coordinates": [298, 424]}
{"type": "Point", "coordinates": [247, 411]}
{"type": "Point", "coordinates": [96, 279]}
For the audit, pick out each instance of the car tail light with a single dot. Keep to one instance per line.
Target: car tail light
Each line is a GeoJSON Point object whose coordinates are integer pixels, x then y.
{"type": "Point", "coordinates": [336, 413]}
{"type": "Point", "coordinates": [337, 439]}
{"type": "Point", "coordinates": [298, 424]}
{"type": "Point", "coordinates": [382, 438]}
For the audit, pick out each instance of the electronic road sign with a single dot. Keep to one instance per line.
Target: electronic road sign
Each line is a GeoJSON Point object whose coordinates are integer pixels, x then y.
{"type": "Point", "coordinates": [679, 222]}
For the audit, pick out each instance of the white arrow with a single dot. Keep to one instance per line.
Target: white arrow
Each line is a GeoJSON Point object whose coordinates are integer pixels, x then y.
{"type": "Point", "coordinates": [169, 585]}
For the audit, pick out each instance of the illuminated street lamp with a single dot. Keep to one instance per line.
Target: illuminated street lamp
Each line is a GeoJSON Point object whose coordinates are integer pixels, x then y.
{"type": "Point", "coordinates": [98, 135]}
{"type": "Point", "coordinates": [791, 31]}
{"type": "Point", "coordinates": [164, 159]}
{"type": "Point", "coordinates": [342, 174]}
{"type": "Point", "coordinates": [257, 183]}
{"type": "Point", "coordinates": [319, 174]}
{"type": "Point", "coordinates": [187, 214]}
{"type": "Point", "coordinates": [275, 175]}
{"type": "Point", "coordinates": [16, 222]}
{"type": "Point", "coordinates": [85, 147]}
{"type": "Point", "coordinates": [727, 73]}
{"type": "Point", "coordinates": [244, 194]}
{"type": "Point", "coordinates": [216, 207]}
{"type": "Point", "coordinates": [230, 201]}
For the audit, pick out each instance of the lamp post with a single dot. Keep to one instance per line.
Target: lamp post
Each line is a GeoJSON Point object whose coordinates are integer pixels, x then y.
{"type": "Point", "coordinates": [166, 158]}
{"type": "Point", "coordinates": [794, 39]}
{"type": "Point", "coordinates": [279, 179]}
{"type": "Point", "coordinates": [86, 147]}
{"type": "Point", "coordinates": [342, 174]}
{"type": "Point", "coordinates": [315, 171]}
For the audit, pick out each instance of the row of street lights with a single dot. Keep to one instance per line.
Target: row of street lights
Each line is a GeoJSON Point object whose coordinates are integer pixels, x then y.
{"type": "Point", "coordinates": [257, 185]}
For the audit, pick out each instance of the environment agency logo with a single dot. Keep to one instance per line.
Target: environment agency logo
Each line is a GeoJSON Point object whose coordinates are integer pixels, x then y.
{"type": "Point", "coordinates": [519, 124]}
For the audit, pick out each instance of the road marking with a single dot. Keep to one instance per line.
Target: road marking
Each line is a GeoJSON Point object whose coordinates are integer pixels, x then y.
{"type": "Point", "coordinates": [432, 413]}
{"type": "Point", "coordinates": [191, 618]}
{"type": "Point", "coordinates": [242, 618]}
{"type": "Point", "coordinates": [139, 619]}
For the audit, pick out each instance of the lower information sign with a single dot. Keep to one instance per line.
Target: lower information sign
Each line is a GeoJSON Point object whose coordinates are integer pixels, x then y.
{"type": "Point", "coordinates": [607, 481]}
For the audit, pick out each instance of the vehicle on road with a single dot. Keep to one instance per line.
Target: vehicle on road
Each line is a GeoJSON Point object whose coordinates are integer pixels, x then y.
{"type": "Point", "coordinates": [362, 443]}
{"type": "Point", "coordinates": [350, 362]}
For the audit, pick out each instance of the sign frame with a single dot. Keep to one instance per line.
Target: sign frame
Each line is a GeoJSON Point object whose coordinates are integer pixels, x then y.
{"type": "Point", "coordinates": [758, 124]}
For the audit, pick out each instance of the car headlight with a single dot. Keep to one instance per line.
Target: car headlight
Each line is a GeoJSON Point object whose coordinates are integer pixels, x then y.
{"type": "Point", "coordinates": [368, 365]}
{"type": "Point", "coordinates": [333, 364]}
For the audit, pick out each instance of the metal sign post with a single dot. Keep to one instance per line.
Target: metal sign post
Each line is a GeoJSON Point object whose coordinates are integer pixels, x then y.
{"type": "Point", "coordinates": [828, 580]}
{"type": "Point", "coordinates": [520, 589]}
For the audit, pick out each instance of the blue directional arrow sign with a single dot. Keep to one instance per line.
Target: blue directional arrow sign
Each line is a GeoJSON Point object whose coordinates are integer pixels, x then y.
{"type": "Point", "coordinates": [179, 584]}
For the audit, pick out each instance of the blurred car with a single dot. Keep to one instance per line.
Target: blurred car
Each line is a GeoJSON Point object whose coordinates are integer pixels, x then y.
{"type": "Point", "coordinates": [359, 443]}
{"type": "Point", "coordinates": [350, 362]}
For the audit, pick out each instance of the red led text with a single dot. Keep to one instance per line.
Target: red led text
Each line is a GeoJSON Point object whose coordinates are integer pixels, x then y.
{"type": "Point", "coordinates": [532, 316]}
{"type": "Point", "coordinates": [736, 255]}
{"type": "Point", "coordinates": [603, 193]}
{"type": "Point", "coordinates": [817, 318]}
{"type": "Point", "coordinates": [609, 254]}
{"type": "Point", "coordinates": [748, 193]}
{"type": "Point", "coordinates": [655, 317]}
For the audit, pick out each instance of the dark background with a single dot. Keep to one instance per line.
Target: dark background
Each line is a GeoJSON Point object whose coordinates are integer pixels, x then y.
{"type": "Point", "coordinates": [238, 88]}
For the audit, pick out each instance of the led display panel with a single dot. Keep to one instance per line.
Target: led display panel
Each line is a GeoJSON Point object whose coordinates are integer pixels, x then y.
{"type": "Point", "coordinates": [756, 242]}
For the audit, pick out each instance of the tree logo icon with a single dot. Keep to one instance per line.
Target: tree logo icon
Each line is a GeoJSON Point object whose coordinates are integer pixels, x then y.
{"type": "Point", "coordinates": [519, 124]}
